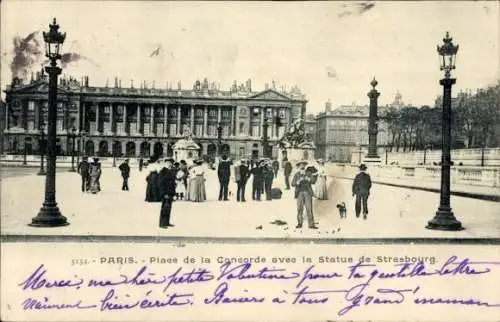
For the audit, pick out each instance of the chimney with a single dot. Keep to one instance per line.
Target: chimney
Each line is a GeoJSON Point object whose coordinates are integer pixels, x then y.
{"type": "Point", "coordinates": [249, 85]}
{"type": "Point", "coordinates": [116, 82]}
{"type": "Point", "coordinates": [267, 86]}
{"type": "Point", "coordinates": [120, 83]}
{"type": "Point", "coordinates": [328, 106]}
{"type": "Point", "coordinates": [153, 87]}
{"type": "Point", "coordinates": [107, 82]}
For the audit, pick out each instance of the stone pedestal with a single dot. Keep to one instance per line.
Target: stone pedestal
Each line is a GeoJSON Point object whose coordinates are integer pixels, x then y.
{"type": "Point", "coordinates": [304, 151]}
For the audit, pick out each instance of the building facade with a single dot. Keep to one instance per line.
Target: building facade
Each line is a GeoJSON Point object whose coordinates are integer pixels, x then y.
{"type": "Point", "coordinates": [146, 121]}
{"type": "Point", "coordinates": [343, 131]}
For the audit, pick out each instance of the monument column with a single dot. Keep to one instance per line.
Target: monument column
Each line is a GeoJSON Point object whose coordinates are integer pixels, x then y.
{"type": "Point", "coordinates": [372, 155]}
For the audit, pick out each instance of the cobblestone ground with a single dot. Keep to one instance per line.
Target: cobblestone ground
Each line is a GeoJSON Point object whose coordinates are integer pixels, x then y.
{"type": "Point", "coordinates": [394, 212]}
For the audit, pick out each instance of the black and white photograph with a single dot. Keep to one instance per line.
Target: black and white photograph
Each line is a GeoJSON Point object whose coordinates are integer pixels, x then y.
{"type": "Point", "coordinates": [250, 122]}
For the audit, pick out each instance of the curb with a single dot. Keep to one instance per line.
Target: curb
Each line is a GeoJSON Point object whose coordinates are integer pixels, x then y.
{"type": "Point", "coordinates": [472, 195]}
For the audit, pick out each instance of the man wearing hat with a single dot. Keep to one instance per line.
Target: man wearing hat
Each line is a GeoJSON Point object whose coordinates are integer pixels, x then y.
{"type": "Point", "coordinates": [257, 182]}
{"type": "Point", "coordinates": [303, 181]}
{"type": "Point", "coordinates": [224, 173]}
{"type": "Point", "coordinates": [287, 171]}
{"type": "Point", "coordinates": [241, 175]}
{"type": "Point", "coordinates": [166, 187]}
{"type": "Point", "coordinates": [84, 171]}
{"type": "Point", "coordinates": [361, 189]}
{"type": "Point", "coordinates": [125, 171]}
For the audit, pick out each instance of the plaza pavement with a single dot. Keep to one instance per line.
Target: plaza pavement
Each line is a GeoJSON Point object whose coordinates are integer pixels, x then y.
{"type": "Point", "coordinates": [394, 212]}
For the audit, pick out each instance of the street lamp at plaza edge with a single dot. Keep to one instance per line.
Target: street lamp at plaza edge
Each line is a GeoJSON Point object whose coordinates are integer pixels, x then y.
{"type": "Point", "coordinates": [444, 218]}
{"type": "Point", "coordinates": [49, 214]}
{"type": "Point", "coordinates": [42, 149]}
{"type": "Point", "coordinates": [73, 137]}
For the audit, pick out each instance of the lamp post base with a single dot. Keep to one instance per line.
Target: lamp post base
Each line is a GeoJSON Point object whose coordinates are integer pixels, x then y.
{"type": "Point", "coordinates": [49, 216]}
{"type": "Point", "coordinates": [41, 173]}
{"type": "Point", "coordinates": [444, 220]}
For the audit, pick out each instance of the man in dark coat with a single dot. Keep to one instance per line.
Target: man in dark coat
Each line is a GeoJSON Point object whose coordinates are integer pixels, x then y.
{"type": "Point", "coordinates": [257, 182]}
{"type": "Point", "coordinates": [268, 176]}
{"type": "Point", "coordinates": [276, 167]}
{"type": "Point", "coordinates": [83, 170]}
{"type": "Point", "coordinates": [141, 164]}
{"type": "Point", "coordinates": [241, 175]}
{"type": "Point", "coordinates": [184, 168]}
{"type": "Point", "coordinates": [303, 181]}
{"type": "Point", "coordinates": [287, 169]}
{"type": "Point", "coordinates": [361, 189]}
{"type": "Point", "coordinates": [224, 173]}
{"type": "Point", "coordinates": [167, 185]}
{"type": "Point", "coordinates": [125, 171]}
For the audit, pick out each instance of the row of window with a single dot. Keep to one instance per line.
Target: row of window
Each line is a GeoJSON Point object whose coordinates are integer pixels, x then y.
{"type": "Point", "coordinates": [173, 112]}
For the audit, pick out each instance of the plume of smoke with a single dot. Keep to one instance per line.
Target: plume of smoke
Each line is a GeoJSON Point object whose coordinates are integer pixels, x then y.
{"type": "Point", "coordinates": [27, 51]}
{"type": "Point", "coordinates": [68, 58]}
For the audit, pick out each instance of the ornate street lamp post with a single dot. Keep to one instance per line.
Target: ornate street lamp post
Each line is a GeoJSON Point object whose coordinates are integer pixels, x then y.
{"type": "Point", "coordinates": [444, 218]}
{"type": "Point", "coordinates": [42, 148]}
{"type": "Point", "coordinates": [73, 137]}
{"type": "Point", "coordinates": [50, 215]}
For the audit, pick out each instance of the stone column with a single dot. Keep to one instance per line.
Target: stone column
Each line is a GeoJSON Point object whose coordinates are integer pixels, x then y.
{"type": "Point", "coordinates": [205, 121]}
{"type": "Point", "coordinates": [84, 118]}
{"type": "Point", "coordinates": [125, 119]}
{"type": "Point", "coordinates": [152, 121]}
{"type": "Point", "coordinates": [192, 119]}
{"type": "Point", "coordinates": [111, 118]}
{"type": "Point", "coordinates": [96, 117]}
{"type": "Point", "coordinates": [231, 129]}
{"type": "Point", "coordinates": [373, 122]}
{"type": "Point", "coordinates": [262, 111]}
{"type": "Point", "coordinates": [139, 116]}
{"type": "Point", "coordinates": [165, 118]}
{"type": "Point", "coordinates": [178, 120]}
{"type": "Point", "coordinates": [236, 120]}
{"type": "Point", "coordinates": [250, 118]}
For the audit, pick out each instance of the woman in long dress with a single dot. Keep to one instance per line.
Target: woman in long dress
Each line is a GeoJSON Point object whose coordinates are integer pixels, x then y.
{"type": "Point", "coordinates": [95, 173]}
{"type": "Point", "coordinates": [196, 184]}
{"type": "Point", "coordinates": [320, 190]}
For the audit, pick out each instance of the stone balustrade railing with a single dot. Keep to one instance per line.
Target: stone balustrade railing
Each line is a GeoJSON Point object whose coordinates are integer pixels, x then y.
{"type": "Point", "coordinates": [465, 175]}
{"type": "Point", "coordinates": [466, 157]}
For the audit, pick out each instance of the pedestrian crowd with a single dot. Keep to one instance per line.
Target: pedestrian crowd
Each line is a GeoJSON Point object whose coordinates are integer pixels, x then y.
{"type": "Point", "coordinates": [170, 181]}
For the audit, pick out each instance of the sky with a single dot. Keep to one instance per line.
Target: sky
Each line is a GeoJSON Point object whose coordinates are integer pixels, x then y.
{"type": "Point", "coordinates": [330, 50]}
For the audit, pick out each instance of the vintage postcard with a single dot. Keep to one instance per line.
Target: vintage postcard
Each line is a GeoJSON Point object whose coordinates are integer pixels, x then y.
{"type": "Point", "coordinates": [250, 161]}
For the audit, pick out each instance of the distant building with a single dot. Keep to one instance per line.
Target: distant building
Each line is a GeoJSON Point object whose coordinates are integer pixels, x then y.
{"type": "Point", "coordinates": [343, 131]}
{"type": "Point", "coordinates": [146, 121]}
